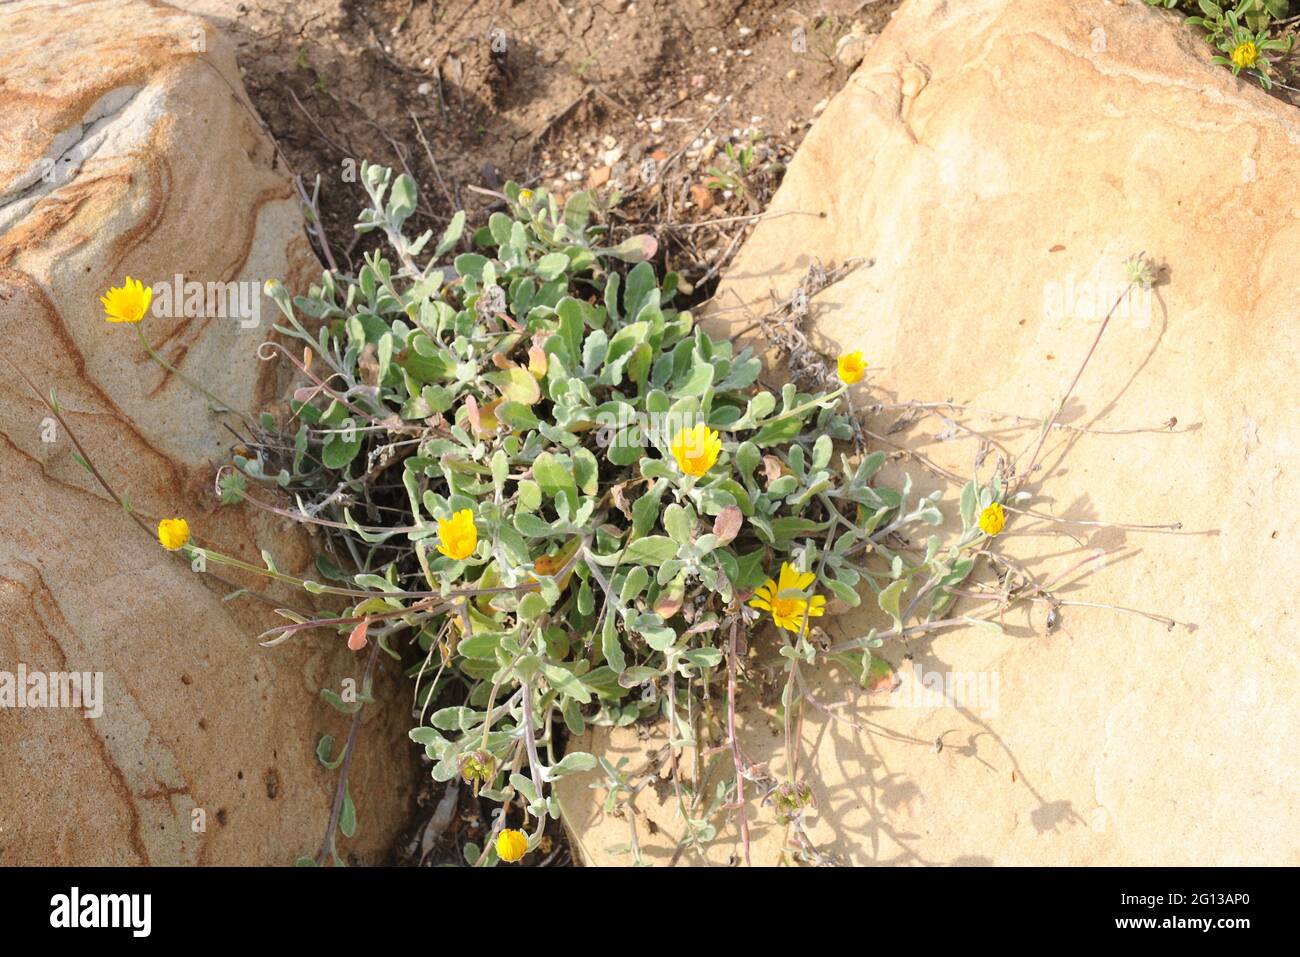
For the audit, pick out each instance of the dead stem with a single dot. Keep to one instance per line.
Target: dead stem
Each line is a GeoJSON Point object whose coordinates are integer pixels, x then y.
{"type": "Point", "coordinates": [735, 744]}
{"type": "Point", "coordinates": [1056, 411]}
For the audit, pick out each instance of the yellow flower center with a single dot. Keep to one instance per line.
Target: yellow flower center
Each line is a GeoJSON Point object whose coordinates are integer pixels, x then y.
{"type": "Point", "coordinates": [992, 520]}
{"type": "Point", "coordinates": [1245, 54]}
{"type": "Point", "coordinates": [789, 613]}
{"type": "Point", "coordinates": [458, 535]}
{"type": "Point", "coordinates": [511, 845]}
{"type": "Point", "coordinates": [851, 367]}
{"type": "Point", "coordinates": [696, 449]}
{"type": "Point", "coordinates": [128, 302]}
{"type": "Point", "coordinates": [173, 533]}
{"type": "Point", "coordinates": [788, 608]}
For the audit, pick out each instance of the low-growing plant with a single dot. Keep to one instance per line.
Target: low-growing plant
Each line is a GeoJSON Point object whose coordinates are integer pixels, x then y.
{"type": "Point", "coordinates": [747, 169]}
{"type": "Point", "coordinates": [566, 504]}
{"type": "Point", "coordinates": [588, 497]}
{"type": "Point", "coordinates": [1242, 34]}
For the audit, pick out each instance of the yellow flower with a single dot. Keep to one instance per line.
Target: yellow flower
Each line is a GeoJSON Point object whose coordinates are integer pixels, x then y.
{"type": "Point", "coordinates": [992, 519]}
{"type": "Point", "coordinates": [1245, 54]}
{"type": "Point", "coordinates": [458, 535]}
{"type": "Point", "coordinates": [128, 302]}
{"type": "Point", "coordinates": [511, 845]}
{"type": "Point", "coordinates": [525, 197]}
{"type": "Point", "coordinates": [697, 449]}
{"type": "Point", "coordinates": [173, 533]}
{"type": "Point", "coordinates": [788, 613]}
{"type": "Point", "coordinates": [851, 367]}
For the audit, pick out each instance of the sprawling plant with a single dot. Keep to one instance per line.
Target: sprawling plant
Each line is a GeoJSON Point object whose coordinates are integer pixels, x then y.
{"type": "Point", "coordinates": [578, 505]}
{"type": "Point", "coordinates": [1245, 34]}
{"type": "Point", "coordinates": [575, 501]}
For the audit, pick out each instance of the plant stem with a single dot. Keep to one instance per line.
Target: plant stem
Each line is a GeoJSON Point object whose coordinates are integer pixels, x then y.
{"type": "Point", "coordinates": [153, 354]}
{"type": "Point", "coordinates": [327, 846]}
{"type": "Point", "coordinates": [1060, 406]}
{"type": "Point", "coordinates": [735, 744]}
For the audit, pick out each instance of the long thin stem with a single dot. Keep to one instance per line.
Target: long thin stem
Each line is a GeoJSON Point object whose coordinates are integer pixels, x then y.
{"type": "Point", "coordinates": [534, 760]}
{"type": "Point", "coordinates": [735, 744]}
{"type": "Point", "coordinates": [340, 792]}
{"type": "Point", "coordinates": [219, 403]}
{"type": "Point", "coordinates": [1060, 406]}
{"type": "Point", "coordinates": [89, 464]}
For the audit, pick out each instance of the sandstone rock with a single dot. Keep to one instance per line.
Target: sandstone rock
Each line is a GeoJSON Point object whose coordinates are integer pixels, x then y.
{"type": "Point", "coordinates": [853, 46]}
{"type": "Point", "coordinates": [999, 164]}
{"type": "Point", "coordinates": [131, 148]}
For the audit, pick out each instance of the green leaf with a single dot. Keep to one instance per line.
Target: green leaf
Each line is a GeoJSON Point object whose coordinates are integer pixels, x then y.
{"type": "Point", "coordinates": [610, 644]}
{"type": "Point", "coordinates": [456, 719]}
{"type": "Point", "coordinates": [451, 236]}
{"type": "Point", "coordinates": [574, 762]}
{"type": "Point", "coordinates": [348, 818]}
{"type": "Point", "coordinates": [640, 284]}
{"type": "Point", "coordinates": [679, 522]}
{"type": "Point", "coordinates": [634, 584]}
{"type": "Point", "coordinates": [889, 599]}
{"type": "Point", "coordinates": [651, 550]}
{"type": "Point", "coordinates": [517, 416]}
{"type": "Point", "coordinates": [401, 201]}
{"type": "Point", "coordinates": [323, 749]}
{"type": "Point", "coordinates": [586, 471]}
{"type": "Point", "coordinates": [646, 509]}
{"type": "Point", "coordinates": [530, 495]}
{"type": "Point", "coordinates": [555, 478]}
{"type": "Point", "coordinates": [532, 606]}
{"type": "Point", "coordinates": [969, 500]}
{"type": "Point", "coordinates": [341, 447]}
{"type": "Point", "coordinates": [552, 265]}
{"type": "Point", "coordinates": [844, 593]}
{"type": "Point", "coordinates": [565, 682]}
{"type": "Point", "coordinates": [483, 645]}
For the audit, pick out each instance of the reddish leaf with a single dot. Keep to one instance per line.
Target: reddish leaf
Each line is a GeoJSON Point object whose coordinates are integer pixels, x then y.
{"type": "Point", "coordinates": [727, 525]}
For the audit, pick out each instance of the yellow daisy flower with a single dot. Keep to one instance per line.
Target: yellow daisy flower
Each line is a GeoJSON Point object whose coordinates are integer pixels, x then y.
{"type": "Point", "coordinates": [511, 845]}
{"type": "Point", "coordinates": [788, 613]}
{"type": "Point", "coordinates": [173, 533]}
{"type": "Point", "coordinates": [128, 302]}
{"type": "Point", "coordinates": [992, 519]}
{"type": "Point", "coordinates": [697, 449]}
{"type": "Point", "coordinates": [1245, 55]}
{"type": "Point", "coordinates": [458, 535]}
{"type": "Point", "coordinates": [851, 367]}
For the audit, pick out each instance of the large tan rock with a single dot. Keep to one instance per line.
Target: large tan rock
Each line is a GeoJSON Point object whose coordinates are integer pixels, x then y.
{"type": "Point", "coordinates": [999, 159]}
{"type": "Point", "coordinates": [128, 152]}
